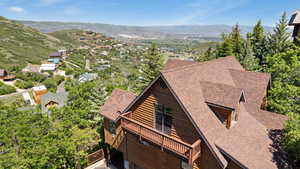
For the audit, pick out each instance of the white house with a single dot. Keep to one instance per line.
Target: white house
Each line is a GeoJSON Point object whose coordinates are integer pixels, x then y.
{"type": "Point", "coordinates": [27, 98]}
{"type": "Point", "coordinates": [47, 67]}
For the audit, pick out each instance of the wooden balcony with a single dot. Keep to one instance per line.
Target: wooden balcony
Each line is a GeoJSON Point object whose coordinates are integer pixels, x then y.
{"type": "Point", "coordinates": [188, 151]}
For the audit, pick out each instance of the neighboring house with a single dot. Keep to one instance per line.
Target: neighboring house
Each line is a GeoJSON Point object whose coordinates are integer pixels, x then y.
{"type": "Point", "coordinates": [56, 55]}
{"type": "Point", "coordinates": [54, 60]}
{"type": "Point", "coordinates": [47, 67]}
{"type": "Point", "coordinates": [87, 77]}
{"type": "Point", "coordinates": [3, 73]}
{"type": "Point", "coordinates": [27, 98]}
{"type": "Point", "coordinates": [194, 115]}
{"type": "Point", "coordinates": [38, 92]}
{"type": "Point", "coordinates": [6, 76]}
{"type": "Point", "coordinates": [295, 21]}
{"type": "Point", "coordinates": [53, 100]}
{"type": "Point", "coordinates": [31, 68]}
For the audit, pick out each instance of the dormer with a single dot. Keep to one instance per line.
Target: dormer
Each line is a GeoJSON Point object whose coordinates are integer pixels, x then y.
{"type": "Point", "coordinates": [295, 21]}
{"type": "Point", "coordinates": [224, 101]}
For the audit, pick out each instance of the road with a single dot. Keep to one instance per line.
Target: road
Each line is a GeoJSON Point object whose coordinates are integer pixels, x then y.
{"type": "Point", "coordinates": [14, 94]}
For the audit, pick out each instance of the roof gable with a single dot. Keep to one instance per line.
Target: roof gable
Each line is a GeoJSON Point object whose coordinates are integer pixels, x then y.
{"type": "Point", "coordinates": [223, 95]}
{"type": "Point", "coordinates": [116, 103]}
{"type": "Point", "coordinates": [295, 19]}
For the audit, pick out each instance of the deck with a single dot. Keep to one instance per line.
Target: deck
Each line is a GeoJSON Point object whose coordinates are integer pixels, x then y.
{"type": "Point", "coordinates": [188, 151]}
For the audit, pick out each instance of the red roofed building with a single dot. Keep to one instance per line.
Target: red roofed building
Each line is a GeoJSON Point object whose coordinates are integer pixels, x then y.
{"type": "Point", "coordinates": [195, 116]}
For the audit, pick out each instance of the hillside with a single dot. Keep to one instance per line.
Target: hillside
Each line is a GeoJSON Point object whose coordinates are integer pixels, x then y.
{"type": "Point", "coordinates": [20, 44]}
{"type": "Point", "coordinates": [194, 32]}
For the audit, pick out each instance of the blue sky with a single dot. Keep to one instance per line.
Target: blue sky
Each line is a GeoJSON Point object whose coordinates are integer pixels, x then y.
{"type": "Point", "coordinates": [150, 12]}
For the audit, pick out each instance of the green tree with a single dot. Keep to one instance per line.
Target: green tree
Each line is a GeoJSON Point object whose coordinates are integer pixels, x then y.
{"type": "Point", "coordinates": [291, 139]}
{"type": "Point", "coordinates": [209, 54]}
{"type": "Point", "coordinates": [237, 42]}
{"type": "Point", "coordinates": [225, 48]}
{"type": "Point", "coordinates": [150, 66]}
{"type": "Point", "coordinates": [249, 61]}
{"type": "Point", "coordinates": [258, 42]}
{"type": "Point", "coordinates": [285, 70]}
{"type": "Point", "coordinates": [279, 40]}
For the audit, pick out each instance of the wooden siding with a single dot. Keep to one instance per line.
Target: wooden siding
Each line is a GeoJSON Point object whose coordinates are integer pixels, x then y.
{"type": "Point", "coordinates": [143, 111]}
{"type": "Point", "coordinates": [146, 156]}
{"type": "Point", "coordinates": [109, 138]}
{"type": "Point", "coordinates": [207, 160]}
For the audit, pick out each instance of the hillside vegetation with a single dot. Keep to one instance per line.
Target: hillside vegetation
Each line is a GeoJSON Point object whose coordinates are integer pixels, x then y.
{"type": "Point", "coordinates": [20, 44]}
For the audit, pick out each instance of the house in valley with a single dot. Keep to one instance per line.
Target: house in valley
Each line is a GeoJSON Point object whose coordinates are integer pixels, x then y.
{"type": "Point", "coordinates": [87, 77]}
{"type": "Point", "coordinates": [3, 73]}
{"type": "Point", "coordinates": [58, 55]}
{"type": "Point", "coordinates": [194, 116]}
{"type": "Point", "coordinates": [38, 92]}
{"type": "Point", "coordinates": [31, 68]}
{"type": "Point", "coordinates": [47, 67]}
{"type": "Point", "coordinates": [5, 76]}
{"type": "Point", "coordinates": [49, 100]}
{"type": "Point", "coordinates": [295, 21]}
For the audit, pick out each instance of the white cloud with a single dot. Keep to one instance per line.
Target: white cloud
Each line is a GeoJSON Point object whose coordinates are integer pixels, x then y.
{"type": "Point", "coordinates": [16, 9]}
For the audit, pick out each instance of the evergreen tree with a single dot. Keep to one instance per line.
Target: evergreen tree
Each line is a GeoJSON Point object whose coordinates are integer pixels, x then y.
{"type": "Point", "coordinates": [279, 40]}
{"type": "Point", "coordinates": [225, 48]}
{"type": "Point", "coordinates": [291, 140]}
{"type": "Point", "coordinates": [249, 61]}
{"type": "Point", "coordinates": [285, 70]}
{"type": "Point", "coordinates": [237, 42]}
{"type": "Point", "coordinates": [258, 42]}
{"type": "Point", "coordinates": [150, 66]}
{"type": "Point", "coordinates": [209, 54]}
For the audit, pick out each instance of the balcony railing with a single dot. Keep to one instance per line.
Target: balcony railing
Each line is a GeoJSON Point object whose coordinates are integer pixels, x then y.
{"type": "Point", "coordinates": [188, 151]}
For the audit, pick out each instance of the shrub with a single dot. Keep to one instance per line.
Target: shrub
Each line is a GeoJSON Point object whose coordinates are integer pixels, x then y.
{"type": "Point", "coordinates": [24, 84]}
{"type": "Point", "coordinates": [6, 89]}
{"type": "Point", "coordinates": [53, 82]}
{"type": "Point", "coordinates": [31, 76]}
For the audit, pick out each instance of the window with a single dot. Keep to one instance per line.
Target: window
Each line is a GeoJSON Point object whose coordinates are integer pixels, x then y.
{"type": "Point", "coordinates": [112, 127]}
{"type": "Point", "coordinates": [162, 85]}
{"type": "Point", "coordinates": [163, 119]}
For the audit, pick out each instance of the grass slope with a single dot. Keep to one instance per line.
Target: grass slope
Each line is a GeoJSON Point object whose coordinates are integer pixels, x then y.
{"type": "Point", "coordinates": [20, 44]}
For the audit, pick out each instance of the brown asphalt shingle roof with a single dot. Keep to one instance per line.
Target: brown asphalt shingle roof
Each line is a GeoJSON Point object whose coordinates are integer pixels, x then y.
{"type": "Point", "coordinates": [247, 142]}
{"type": "Point", "coordinates": [220, 94]}
{"type": "Point", "coordinates": [116, 103]}
{"type": "Point", "coordinates": [176, 63]}
{"type": "Point", "coordinates": [193, 84]}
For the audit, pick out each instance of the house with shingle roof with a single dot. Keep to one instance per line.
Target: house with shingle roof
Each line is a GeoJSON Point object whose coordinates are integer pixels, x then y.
{"type": "Point", "coordinates": [50, 99]}
{"type": "Point", "coordinates": [207, 115]}
{"type": "Point", "coordinates": [3, 73]}
{"type": "Point", "coordinates": [295, 21]}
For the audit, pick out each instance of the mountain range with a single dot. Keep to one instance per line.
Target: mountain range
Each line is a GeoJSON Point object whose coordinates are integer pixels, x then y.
{"type": "Point", "coordinates": [189, 32]}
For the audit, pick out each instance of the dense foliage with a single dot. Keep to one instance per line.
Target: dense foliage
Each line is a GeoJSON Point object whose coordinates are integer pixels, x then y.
{"type": "Point", "coordinates": [150, 67]}
{"type": "Point", "coordinates": [62, 140]}
{"type": "Point", "coordinates": [6, 89]}
{"type": "Point", "coordinates": [23, 84]}
{"type": "Point", "coordinates": [53, 82]}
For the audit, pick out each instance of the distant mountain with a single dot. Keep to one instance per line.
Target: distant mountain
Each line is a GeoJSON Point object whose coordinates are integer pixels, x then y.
{"type": "Point", "coordinates": [21, 44]}
{"type": "Point", "coordinates": [199, 32]}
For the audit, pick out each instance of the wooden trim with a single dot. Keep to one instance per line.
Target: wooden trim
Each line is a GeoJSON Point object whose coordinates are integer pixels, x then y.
{"type": "Point", "coordinates": [188, 151]}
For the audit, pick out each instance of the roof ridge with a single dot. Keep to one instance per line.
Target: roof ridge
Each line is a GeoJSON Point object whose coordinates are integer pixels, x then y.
{"type": "Point", "coordinates": [196, 64]}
